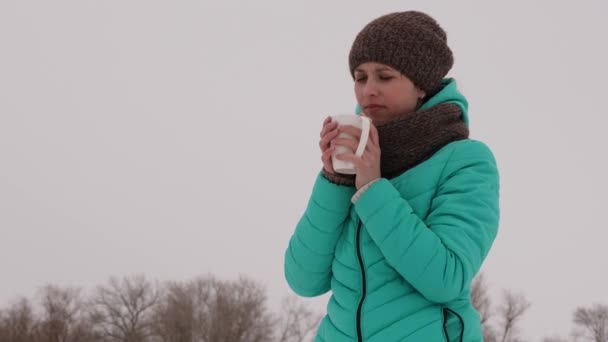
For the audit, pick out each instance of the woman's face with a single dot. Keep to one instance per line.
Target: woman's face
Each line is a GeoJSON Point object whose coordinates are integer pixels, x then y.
{"type": "Point", "coordinates": [383, 92]}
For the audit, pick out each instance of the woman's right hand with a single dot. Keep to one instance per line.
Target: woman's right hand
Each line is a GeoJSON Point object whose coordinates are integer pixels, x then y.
{"type": "Point", "coordinates": [328, 133]}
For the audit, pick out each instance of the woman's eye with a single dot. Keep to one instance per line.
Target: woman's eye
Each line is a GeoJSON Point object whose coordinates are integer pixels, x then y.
{"type": "Point", "coordinates": [360, 79]}
{"type": "Point", "coordinates": [386, 78]}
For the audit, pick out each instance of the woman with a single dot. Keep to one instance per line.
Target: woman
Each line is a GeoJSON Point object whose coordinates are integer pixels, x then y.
{"type": "Point", "coordinates": [399, 243]}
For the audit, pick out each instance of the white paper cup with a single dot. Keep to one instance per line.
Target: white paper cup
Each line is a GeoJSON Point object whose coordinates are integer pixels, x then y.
{"type": "Point", "coordinates": [341, 166]}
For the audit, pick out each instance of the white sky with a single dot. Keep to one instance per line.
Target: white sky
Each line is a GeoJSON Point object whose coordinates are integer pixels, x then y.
{"type": "Point", "coordinates": [177, 138]}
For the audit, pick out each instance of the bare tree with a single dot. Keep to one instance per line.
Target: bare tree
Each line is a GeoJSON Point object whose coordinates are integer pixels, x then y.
{"type": "Point", "coordinates": [122, 310]}
{"type": "Point", "coordinates": [132, 309]}
{"type": "Point", "coordinates": [511, 312]}
{"type": "Point", "coordinates": [18, 323]}
{"type": "Point", "coordinates": [233, 311]}
{"type": "Point", "coordinates": [174, 316]}
{"type": "Point", "coordinates": [210, 310]}
{"type": "Point", "coordinates": [501, 324]}
{"type": "Point", "coordinates": [480, 299]}
{"type": "Point", "coordinates": [592, 323]}
{"type": "Point", "coordinates": [295, 322]}
{"type": "Point", "coordinates": [63, 316]}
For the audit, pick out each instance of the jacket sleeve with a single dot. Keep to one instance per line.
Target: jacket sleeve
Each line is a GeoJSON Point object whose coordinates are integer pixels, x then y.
{"type": "Point", "coordinates": [310, 253]}
{"type": "Point", "coordinates": [440, 255]}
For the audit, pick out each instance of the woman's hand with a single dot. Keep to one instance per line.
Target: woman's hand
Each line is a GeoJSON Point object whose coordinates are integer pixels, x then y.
{"type": "Point", "coordinates": [328, 133]}
{"type": "Point", "coordinates": [368, 165]}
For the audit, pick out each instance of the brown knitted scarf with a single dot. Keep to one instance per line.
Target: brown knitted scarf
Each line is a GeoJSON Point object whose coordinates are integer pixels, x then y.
{"type": "Point", "coordinates": [412, 138]}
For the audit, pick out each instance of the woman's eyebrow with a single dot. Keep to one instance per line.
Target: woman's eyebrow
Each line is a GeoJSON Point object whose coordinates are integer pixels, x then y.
{"type": "Point", "coordinates": [383, 69]}
{"type": "Point", "coordinates": [378, 69]}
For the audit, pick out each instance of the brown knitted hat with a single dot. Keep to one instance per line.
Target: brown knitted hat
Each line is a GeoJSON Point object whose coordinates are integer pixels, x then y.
{"type": "Point", "coordinates": [411, 42]}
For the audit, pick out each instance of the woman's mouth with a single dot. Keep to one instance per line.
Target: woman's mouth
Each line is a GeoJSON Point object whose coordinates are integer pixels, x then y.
{"type": "Point", "coordinates": [372, 108]}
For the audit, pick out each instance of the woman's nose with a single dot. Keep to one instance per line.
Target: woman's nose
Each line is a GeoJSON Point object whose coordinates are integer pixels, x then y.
{"type": "Point", "coordinates": [370, 89]}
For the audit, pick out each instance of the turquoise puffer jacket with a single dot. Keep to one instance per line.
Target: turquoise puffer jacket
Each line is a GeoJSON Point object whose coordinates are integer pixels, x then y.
{"type": "Point", "coordinates": [400, 261]}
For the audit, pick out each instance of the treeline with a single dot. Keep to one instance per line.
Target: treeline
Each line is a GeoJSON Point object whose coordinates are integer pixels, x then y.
{"type": "Point", "coordinates": [500, 323]}
{"type": "Point", "coordinates": [135, 309]}
{"type": "Point", "coordinates": [206, 309]}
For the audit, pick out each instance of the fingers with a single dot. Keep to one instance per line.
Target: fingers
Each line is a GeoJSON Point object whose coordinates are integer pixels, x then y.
{"type": "Point", "coordinates": [328, 133]}
{"type": "Point", "coordinates": [350, 157]}
{"type": "Point", "coordinates": [326, 158]}
{"type": "Point", "coordinates": [346, 142]}
{"type": "Point", "coordinates": [351, 130]}
{"type": "Point", "coordinates": [373, 145]}
{"type": "Point", "coordinates": [328, 125]}
{"type": "Point", "coordinates": [368, 165]}
{"type": "Point", "coordinates": [327, 138]}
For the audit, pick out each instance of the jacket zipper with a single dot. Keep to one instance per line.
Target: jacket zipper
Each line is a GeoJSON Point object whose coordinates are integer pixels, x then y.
{"type": "Point", "coordinates": [363, 286]}
{"type": "Point", "coordinates": [445, 323]}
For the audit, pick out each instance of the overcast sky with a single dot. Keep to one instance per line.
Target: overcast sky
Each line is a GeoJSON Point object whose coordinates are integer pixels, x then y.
{"type": "Point", "coordinates": [179, 138]}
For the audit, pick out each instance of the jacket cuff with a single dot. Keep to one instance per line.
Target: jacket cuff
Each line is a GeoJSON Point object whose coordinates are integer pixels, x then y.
{"type": "Point", "coordinates": [339, 179]}
{"type": "Point", "coordinates": [362, 190]}
{"type": "Point", "coordinates": [375, 198]}
{"type": "Point", "coordinates": [330, 195]}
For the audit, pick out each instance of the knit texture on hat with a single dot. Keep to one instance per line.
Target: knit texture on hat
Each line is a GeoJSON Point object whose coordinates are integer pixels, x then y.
{"type": "Point", "coordinates": [411, 42]}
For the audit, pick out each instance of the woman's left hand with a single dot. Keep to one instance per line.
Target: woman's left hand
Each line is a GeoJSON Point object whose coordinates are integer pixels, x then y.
{"type": "Point", "coordinates": [368, 165]}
